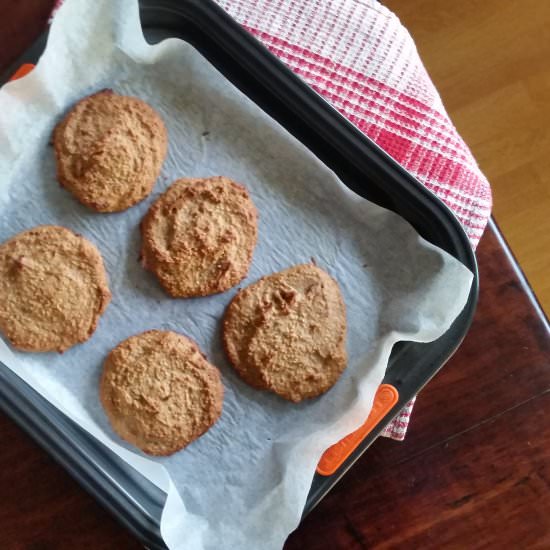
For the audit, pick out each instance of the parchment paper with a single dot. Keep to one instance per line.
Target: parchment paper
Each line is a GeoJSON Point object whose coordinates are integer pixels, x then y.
{"type": "Point", "coordinates": [244, 484]}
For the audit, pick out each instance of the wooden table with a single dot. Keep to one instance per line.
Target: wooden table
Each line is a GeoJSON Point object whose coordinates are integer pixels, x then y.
{"type": "Point", "coordinates": [474, 471]}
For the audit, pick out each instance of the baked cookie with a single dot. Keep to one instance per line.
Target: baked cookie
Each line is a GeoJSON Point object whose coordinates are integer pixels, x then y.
{"type": "Point", "coordinates": [199, 236]}
{"type": "Point", "coordinates": [53, 289]}
{"type": "Point", "coordinates": [109, 150]}
{"type": "Point", "coordinates": [159, 391]}
{"type": "Point", "coordinates": [287, 333]}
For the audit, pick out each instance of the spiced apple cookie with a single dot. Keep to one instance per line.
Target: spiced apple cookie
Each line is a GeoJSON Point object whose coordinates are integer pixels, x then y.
{"type": "Point", "coordinates": [287, 333]}
{"type": "Point", "coordinates": [53, 289]}
{"type": "Point", "coordinates": [109, 150]}
{"type": "Point", "coordinates": [159, 391]}
{"type": "Point", "coordinates": [199, 236]}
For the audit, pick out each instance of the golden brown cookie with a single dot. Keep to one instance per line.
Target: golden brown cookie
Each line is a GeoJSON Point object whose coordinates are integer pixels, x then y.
{"type": "Point", "coordinates": [53, 289]}
{"type": "Point", "coordinates": [287, 333]}
{"type": "Point", "coordinates": [109, 150]}
{"type": "Point", "coordinates": [159, 391]}
{"type": "Point", "coordinates": [199, 236]}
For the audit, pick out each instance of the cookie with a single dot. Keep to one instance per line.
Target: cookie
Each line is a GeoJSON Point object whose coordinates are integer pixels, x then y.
{"type": "Point", "coordinates": [53, 289]}
{"type": "Point", "coordinates": [287, 333]}
{"type": "Point", "coordinates": [109, 150]}
{"type": "Point", "coordinates": [199, 236]}
{"type": "Point", "coordinates": [159, 391]}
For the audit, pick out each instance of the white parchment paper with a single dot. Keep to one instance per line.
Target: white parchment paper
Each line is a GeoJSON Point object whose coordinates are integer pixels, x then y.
{"type": "Point", "coordinates": [244, 484]}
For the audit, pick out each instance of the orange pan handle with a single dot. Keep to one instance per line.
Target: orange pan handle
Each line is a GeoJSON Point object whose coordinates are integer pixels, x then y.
{"type": "Point", "coordinates": [386, 397]}
{"type": "Point", "coordinates": [22, 71]}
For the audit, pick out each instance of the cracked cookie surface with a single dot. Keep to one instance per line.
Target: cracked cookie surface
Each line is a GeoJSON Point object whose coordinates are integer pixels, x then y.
{"type": "Point", "coordinates": [53, 289]}
{"type": "Point", "coordinates": [199, 236]}
{"type": "Point", "coordinates": [159, 391]}
{"type": "Point", "coordinates": [109, 150]}
{"type": "Point", "coordinates": [287, 333]}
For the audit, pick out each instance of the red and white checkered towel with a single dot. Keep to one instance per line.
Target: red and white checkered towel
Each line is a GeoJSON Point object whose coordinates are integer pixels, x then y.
{"type": "Point", "coordinates": [361, 59]}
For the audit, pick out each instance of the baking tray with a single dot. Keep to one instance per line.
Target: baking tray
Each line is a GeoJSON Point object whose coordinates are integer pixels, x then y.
{"type": "Point", "coordinates": [358, 162]}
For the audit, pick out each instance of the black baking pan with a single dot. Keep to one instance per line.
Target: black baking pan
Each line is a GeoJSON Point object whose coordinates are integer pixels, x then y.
{"type": "Point", "coordinates": [357, 161]}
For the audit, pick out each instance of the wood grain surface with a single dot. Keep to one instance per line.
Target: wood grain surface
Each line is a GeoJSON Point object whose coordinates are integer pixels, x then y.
{"type": "Point", "coordinates": [474, 471]}
{"type": "Point", "coordinates": [489, 59]}
{"type": "Point", "coordinates": [20, 24]}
